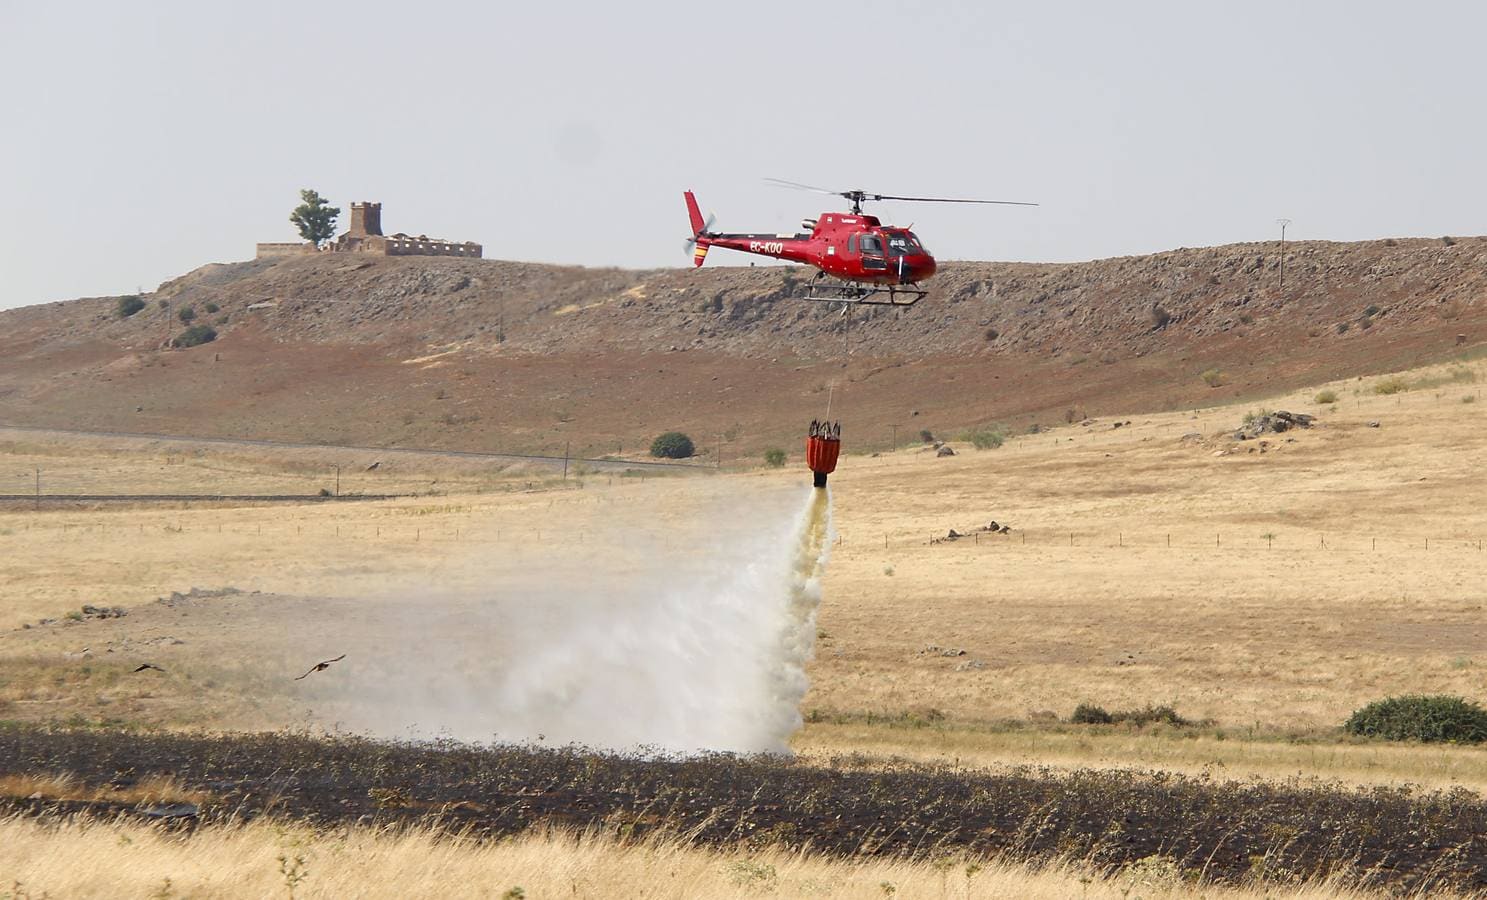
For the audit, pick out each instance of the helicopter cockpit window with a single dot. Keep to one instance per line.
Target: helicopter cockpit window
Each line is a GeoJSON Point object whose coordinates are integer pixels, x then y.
{"type": "Point", "coordinates": [903, 243]}
{"type": "Point", "coordinates": [871, 246]}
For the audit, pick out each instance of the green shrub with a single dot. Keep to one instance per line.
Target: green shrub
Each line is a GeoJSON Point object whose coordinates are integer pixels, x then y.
{"type": "Point", "coordinates": [927, 436]}
{"type": "Point", "coordinates": [1326, 396]}
{"type": "Point", "coordinates": [128, 306]}
{"type": "Point", "coordinates": [1417, 717]}
{"type": "Point", "coordinates": [1089, 714]}
{"type": "Point", "coordinates": [195, 336]}
{"type": "Point", "coordinates": [1163, 714]}
{"type": "Point", "coordinates": [1212, 377]}
{"type": "Point", "coordinates": [1391, 385]}
{"type": "Point", "coordinates": [988, 437]}
{"type": "Point", "coordinates": [672, 445]}
{"type": "Point", "coordinates": [774, 457]}
{"type": "Point", "coordinates": [211, 307]}
{"type": "Point", "coordinates": [186, 315]}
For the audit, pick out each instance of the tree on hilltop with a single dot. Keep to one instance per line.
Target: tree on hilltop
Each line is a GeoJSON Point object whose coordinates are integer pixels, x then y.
{"type": "Point", "coordinates": [315, 219]}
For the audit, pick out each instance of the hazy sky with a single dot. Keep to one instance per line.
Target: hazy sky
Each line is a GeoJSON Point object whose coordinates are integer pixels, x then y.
{"type": "Point", "coordinates": [143, 139]}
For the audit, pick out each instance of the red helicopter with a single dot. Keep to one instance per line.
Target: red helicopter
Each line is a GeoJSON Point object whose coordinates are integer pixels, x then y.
{"type": "Point", "coordinates": [860, 259]}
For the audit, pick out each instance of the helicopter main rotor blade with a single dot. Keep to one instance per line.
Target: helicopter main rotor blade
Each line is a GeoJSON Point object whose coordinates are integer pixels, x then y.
{"type": "Point", "coordinates": [947, 200]}
{"type": "Point", "coordinates": [780, 182]}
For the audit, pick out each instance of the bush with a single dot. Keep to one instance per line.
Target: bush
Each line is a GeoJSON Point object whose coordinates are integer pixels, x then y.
{"type": "Point", "coordinates": [1090, 714]}
{"type": "Point", "coordinates": [672, 445]}
{"type": "Point", "coordinates": [186, 315]}
{"type": "Point", "coordinates": [774, 457]}
{"type": "Point", "coordinates": [992, 334]}
{"type": "Point", "coordinates": [1327, 397]}
{"type": "Point", "coordinates": [195, 336]}
{"type": "Point", "coordinates": [1421, 718]}
{"type": "Point", "coordinates": [211, 307]}
{"type": "Point", "coordinates": [1391, 385]}
{"type": "Point", "coordinates": [128, 306]}
{"type": "Point", "coordinates": [1342, 328]}
{"type": "Point", "coordinates": [1212, 377]}
{"type": "Point", "coordinates": [989, 437]}
{"type": "Point", "coordinates": [927, 436]}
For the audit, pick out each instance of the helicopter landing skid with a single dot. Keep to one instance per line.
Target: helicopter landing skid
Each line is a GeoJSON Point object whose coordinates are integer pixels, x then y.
{"type": "Point", "coordinates": [831, 291]}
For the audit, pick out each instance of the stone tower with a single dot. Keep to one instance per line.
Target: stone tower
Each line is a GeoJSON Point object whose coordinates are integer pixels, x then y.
{"type": "Point", "coordinates": [366, 218]}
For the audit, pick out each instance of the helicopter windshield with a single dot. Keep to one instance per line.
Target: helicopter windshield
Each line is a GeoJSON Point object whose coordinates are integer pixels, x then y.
{"type": "Point", "coordinates": [904, 243]}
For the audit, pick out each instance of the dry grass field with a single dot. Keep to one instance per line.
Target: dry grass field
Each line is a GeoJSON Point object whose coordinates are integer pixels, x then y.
{"type": "Point", "coordinates": [102, 859]}
{"type": "Point", "coordinates": [1265, 587]}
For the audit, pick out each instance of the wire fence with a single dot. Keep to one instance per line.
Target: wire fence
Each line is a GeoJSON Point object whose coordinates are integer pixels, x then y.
{"type": "Point", "coordinates": [1186, 541]}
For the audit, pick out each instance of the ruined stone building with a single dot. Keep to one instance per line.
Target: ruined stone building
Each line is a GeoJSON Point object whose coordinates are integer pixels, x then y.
{"type": "Point", "coordinates": [365, 236]}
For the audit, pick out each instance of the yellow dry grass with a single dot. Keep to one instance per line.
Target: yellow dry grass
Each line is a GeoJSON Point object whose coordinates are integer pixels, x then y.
{"type": "Point", "coordinates": [82, 859]}
{"type": "Point", "coordinates": [65, 786]}
{"type": "Point", "coordinates": [1196, 753]}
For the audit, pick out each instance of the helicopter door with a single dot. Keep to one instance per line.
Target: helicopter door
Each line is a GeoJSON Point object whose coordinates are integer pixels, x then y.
{"type": "Point", "coordinates": [872, 253]}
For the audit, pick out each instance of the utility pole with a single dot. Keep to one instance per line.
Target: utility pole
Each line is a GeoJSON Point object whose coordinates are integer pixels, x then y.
{"type": "Point", "coordinates": [1282, 223]}
{"type": "Point", "coordinates": [566, 445]}
{"type": "Point", "coordinates": [895, 437]}
{"type": "Point", "coordinates": [718, 464]}
{"type": "Point", "coordinates": [338, 480]}
{"type": "Point", "coordinates": [38, 487]}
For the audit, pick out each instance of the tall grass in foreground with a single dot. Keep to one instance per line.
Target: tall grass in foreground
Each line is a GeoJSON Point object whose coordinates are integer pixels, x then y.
{"type": "Point", "coordinates": [92, 858]}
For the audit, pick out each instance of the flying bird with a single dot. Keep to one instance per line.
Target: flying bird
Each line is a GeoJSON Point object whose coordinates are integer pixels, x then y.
{"type": "Point", "coordinates": [144, 666]}
{"type": "Point", "coordinates": [320, 667]}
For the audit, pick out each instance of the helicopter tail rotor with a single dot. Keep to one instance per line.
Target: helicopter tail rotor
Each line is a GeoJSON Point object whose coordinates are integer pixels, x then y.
{"type": "Point", "coordinates": [698, 243]}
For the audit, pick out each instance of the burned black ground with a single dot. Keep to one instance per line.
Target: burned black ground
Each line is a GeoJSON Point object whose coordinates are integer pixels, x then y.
{"type": "Point", "coordinates": [1225, 830]}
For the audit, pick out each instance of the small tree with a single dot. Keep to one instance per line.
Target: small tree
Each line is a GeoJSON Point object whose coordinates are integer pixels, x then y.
{"type": "Point", "coordinates": [186, 315]}
{"type": "Point", "coordinates": [774, 457]}
{"type": "Point", "coordinates": [315, 219]}
{"type": "Point", "coordinates": [672, 445]}
{"type": "Point", "coordinates": [130, 305]}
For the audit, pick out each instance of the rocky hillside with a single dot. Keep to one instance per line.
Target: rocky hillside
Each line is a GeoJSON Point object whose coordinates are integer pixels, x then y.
{"type": "Point", "coordinates": [426, 350]}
